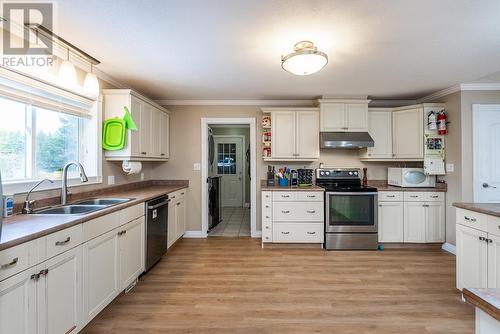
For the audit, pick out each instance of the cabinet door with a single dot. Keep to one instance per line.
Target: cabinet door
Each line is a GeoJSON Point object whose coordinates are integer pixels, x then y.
{"type": "Point", "coordinates": [59, 291]}
{"type": "Point", "coordinates": [132, 255]}
{"type": "Point", "coordinates": [164, 135]}
{"type": "Point", "coordinates": [172, 228]}
{"type": "Point", "coordinates": [283, 132]}
{"type": "Point", "coordinates": [357, 117]}
{"type": "Point", "coordinates": [414, 222]}
{"type": "Point", "coordinates": [18, 304]}
{"type": "Point", "coordinates": [100, 273]}
{"type": "Point", "coordinates": [434, 222]}
{"type": "Point", "coordinates": [472, 258]}
{"type": "Point", "coordinates": [494, 262]}
{"type": "Point", "coordinates": [333, 117]}
{"type": "Point", "coordinates": [408, 133]}
{"type": "Point", "coordinates": [180, 218]}
{"type": "Point", "coordinates": [155, 134]}
{"type": "Point", "coordinates": [135, 136]}
{"type": "Point", "coordinates": [307, 134]}
{"type": "Point", "coordinates": [145, 129]}
{"type": "Point", "coordinates": [380, 129]}
{"type": "Point", "coordinates": [390, 222]}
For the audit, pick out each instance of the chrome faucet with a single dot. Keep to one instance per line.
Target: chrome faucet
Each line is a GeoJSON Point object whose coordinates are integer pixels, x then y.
{"type": "Point", "coordinates": [27, 203]}
{"type": "Point", "coordinates": [64, 185]}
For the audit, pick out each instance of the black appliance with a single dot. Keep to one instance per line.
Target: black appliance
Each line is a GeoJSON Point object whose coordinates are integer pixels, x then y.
{"type": "Point", "coordinates": [214, 201]}
{"type": "Point", "coordinates": [156, 230]}
{"type": "Point", "coordinates": [351, 209]}
{"type": "Point", "coordinates": [294, 178]}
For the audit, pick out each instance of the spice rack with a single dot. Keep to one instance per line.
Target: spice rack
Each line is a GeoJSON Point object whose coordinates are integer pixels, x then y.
{"type": "Point", "coordinates": [266, 136]}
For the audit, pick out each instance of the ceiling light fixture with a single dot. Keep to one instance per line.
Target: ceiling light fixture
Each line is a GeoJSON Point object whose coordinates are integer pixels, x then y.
{"type": "Point", "coordinates": [91, 84]}
{"type": "Point", "coordinates": [67, 73]}
{"type": "Point", "coordinates": [305, 60]}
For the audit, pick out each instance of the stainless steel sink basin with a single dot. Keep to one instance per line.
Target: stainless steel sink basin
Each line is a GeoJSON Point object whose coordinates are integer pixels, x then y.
{"type": "Point", "coordinates": [74, 209]}
{"type": "Point", "coordinates": [103, 201]}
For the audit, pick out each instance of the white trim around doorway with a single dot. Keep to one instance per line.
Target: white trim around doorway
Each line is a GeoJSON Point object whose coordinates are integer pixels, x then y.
{"type": "Point", "coordinates": [253, 170]}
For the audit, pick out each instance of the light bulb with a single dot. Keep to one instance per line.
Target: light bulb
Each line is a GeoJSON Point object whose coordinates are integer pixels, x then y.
{"type": "Point", "coordinates": [67, 74]}
{"type": "Point", "coordinates": [91, 85]}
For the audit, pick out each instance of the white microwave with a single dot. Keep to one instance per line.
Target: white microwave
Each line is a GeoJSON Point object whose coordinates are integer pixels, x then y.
{"type": "Point", "coordinates": [410, 177]}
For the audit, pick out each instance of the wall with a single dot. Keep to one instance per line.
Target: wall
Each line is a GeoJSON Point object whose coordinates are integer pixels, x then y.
{"type": "Point", "coordinates": [185, 149]}
{"type": "Point", "coordinates": [238, 131]}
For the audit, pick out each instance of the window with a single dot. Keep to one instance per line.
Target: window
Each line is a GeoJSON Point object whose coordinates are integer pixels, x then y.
{"type": "Point", "coordinates": [226, 159]}
{"type": "Point", "coordinates": [36, 143]}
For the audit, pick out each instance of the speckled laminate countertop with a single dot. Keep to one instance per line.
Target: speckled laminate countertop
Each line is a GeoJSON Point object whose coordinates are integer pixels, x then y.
{"type": "Point", "coordinates": [492, 209]}
{"type": "Point", "coordinates": [487, 300]}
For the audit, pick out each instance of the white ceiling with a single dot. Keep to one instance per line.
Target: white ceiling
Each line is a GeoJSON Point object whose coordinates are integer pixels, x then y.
{"type": "Point", "coordinates": [230, 49]}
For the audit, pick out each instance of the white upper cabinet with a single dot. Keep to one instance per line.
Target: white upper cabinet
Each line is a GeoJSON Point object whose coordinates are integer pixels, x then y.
{"type": "Point", "coordinates": [408, 133]}
{"type": "Point", "coordinates": [295, 133]}
{"type": "Point", "coordinates": [380, 129]}
{"type": "Point", "coordinates": [344, 115]}
{"type": "Point", "coordinates": [151, 141]}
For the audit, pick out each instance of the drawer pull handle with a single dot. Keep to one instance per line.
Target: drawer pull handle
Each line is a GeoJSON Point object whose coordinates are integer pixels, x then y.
{"type": "Point", "coordinates": [425, 205]}
{"type": "Point", "coordinates": [70, 330]}
{"type": "Point", "coordinates": [414, 196]}
{"type": "Point", "coordinates": [311, 196]}
{"type": "Point", "coordinates": [434, 196]}
{"type": "Point", "coordinates": [311, 232]}
{"type": "Point", "coordinates": [267, 206]}
{"type": "Point", "coordinates": [144, 152]}
{"type": "Point", "coordinates": [469, 219]}
{"type": "Point", "coordinates": [285, 211]}
{"type": "Point", "coordinates": [267, 238]}
{"type": "Point", "coordinates": [285, 196]}
{"type": "Point", "coordinates": [380, 205]}
{"type": "Point", "coordinates": [285, 232]}
{"type": "Point", "coordinates": [122, 232]}
{"type": "Point", "coordinates": [35, 277]}
{"type": "Point", "coordinates": [62, 243]}
{"type": "Point", "coordinates": [311, 211]}
{"type": "Point", "coordinates": [267, 217]}
{"type": "Point", "coordinates": [43, 272]}
{"type": "Point", "coordinates": [10, 264]}
{"type": "Point", "coordinates": [391, 196]}
{"type": "Point", "coordinates": [267, 227]}
{"type": "Point", "coordinates": [482, 238]}
{"type": "Point", "coordinates": [182, 193]}
{"type": "Point", "coordinates": [489, 240]}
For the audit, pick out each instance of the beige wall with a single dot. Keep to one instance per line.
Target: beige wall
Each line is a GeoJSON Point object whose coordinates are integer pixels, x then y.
{"type": "Point", "coordinates": [185, 149]}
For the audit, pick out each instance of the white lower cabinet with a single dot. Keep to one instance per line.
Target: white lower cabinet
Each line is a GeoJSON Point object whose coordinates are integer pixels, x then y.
{"type": "Point", "coordinates": [414, 222]}
{"type": "Point", "coordinates": [176, 216]}
{"type": "Point", "coordinates": [18, 303]}
{"type": "Point", "coordinates": [472, 258]}
{"type": "Point", "coordinates": [59, 293]}
{"type": "Point", "coordinates": [101, 275]}
{"type": "Point", "coordinates": [493, 261]}
{"type": "Point", "coordinates": [390, 220]}
{"type": "Point", "coordinates": [131, 240]}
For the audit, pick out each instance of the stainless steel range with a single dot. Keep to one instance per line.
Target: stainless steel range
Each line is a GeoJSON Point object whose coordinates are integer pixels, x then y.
{"type": "Point", "coordinates": [350, 209]}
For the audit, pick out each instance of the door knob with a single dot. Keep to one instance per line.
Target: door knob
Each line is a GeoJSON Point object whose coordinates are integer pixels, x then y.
{"type": "Point", "coordinates": [486, 185]}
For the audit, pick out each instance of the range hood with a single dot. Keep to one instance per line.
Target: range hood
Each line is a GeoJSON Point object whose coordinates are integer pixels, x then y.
{"type": "Point", "coordinates": [345, 140]}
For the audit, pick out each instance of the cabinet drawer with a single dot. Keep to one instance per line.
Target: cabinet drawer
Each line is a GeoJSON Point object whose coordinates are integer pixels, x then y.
{"type": "Point", "coordinates": [298, 232]}
{"type": "Point", "coordinates": [267, 196]}
{"type": "Point", "coordinates": [267, 231]}
{"type": "Point", "coordinates": [267, 215]}
{"type": "Point", "coordinates": [101, 225]}
{"type": "Point", "coordinates": [390, 196]}
{"type": "Point", "coordinates": [131, 213]}
{"type": "Point", "coordinates": [298, 211]}
{"type": "Point", "coordinates": [434, 197]}
{"type": "Point", "coordinates": [286, 196]}
{"type": "Point", "coordinates": [494, 225]}
{"type": "Point", "coordinates": [16, 259]}
{"type": "Point", "coordinates": [310, 196]}
{"type": "Point", "coordinates": [414, 197]}
{"type": "Point", "coordinates": [472, 219]}
{"type": "Point", "coordinates": [64, 240]}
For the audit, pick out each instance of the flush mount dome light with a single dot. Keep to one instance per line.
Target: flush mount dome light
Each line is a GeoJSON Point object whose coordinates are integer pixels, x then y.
{"type": "Point", "coordinates": [305, 60]}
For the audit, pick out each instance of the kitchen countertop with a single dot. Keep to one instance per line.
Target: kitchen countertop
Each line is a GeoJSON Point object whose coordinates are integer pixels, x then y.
{"type": "Point", "coordinates": [488, 300]}
{"type": "Point", "coordinates": [383, 186]}
{"type": "Point", "coordinates": [264, 187]}
{"type": "Point", "coordinates": [492, 209]}
{"type": "Point", "coordinates": [21, 228]}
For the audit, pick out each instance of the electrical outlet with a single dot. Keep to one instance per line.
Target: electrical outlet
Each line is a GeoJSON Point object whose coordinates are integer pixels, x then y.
{"type": "Point", "coordinates": [196, 166]}
{"type": "Point", "coordinates": [111, 179]}
{"type": "Point", "coordinates": [142, 176]}
{"type": "Point", "coordinates": [450, 168]}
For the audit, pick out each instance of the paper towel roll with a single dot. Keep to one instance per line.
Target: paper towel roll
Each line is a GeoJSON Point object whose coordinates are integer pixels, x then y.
{"type": "Point", "coordinates": [131, 167]}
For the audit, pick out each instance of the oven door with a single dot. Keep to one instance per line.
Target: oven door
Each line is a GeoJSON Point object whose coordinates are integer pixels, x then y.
{"type": "Point", "coordinates": [351, 212]}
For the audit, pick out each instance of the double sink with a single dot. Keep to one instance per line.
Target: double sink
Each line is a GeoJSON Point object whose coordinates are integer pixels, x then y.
{"type": "Point", "coordinates": [82, 207]}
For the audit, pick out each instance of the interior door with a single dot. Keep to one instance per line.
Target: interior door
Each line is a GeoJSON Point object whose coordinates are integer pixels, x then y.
{"type": "Point", "coordinates": [486, 153]}
{"type": "Point", "coordinates": [229, 160]}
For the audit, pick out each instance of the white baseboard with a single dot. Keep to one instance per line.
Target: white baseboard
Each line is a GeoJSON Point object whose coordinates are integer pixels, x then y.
{"type": "Point", "coordinates": [449, 248]}
{"type": "Point", "coordinates": [257, 234]}
{"type": "Point", "coordinates": [194, 234]}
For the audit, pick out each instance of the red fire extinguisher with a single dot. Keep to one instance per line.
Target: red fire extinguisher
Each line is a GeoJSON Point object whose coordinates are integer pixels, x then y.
{"type": "Point", "coordinates": [441, 123]}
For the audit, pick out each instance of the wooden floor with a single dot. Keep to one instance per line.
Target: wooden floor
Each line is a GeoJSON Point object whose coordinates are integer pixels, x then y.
{"type": "Point", "coordinates": [230, 285]}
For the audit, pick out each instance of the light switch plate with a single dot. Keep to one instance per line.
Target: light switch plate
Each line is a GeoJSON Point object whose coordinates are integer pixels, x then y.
{"type": "Point", "coordinates": [111, 179]}
{"type": "Point", "coordinates": [450, 168]}
{"type": "Point", "coordinates": [196, 166]}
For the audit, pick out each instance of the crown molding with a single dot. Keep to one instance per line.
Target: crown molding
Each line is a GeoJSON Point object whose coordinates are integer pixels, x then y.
{"type": "Point", "coordinates": [259, 103]}
{"type": "Point", "coordinates": [460, 87]}
{"type": "Point", "coordinates": [109, 79]}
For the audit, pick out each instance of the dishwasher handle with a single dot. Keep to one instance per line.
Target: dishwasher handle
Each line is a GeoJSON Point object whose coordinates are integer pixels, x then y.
{"type": "Point", "coordinates": [156, 206]}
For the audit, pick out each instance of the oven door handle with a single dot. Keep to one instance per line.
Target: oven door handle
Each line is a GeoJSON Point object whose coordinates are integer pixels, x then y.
{"type": "Point", "coordinates": [352, 193]}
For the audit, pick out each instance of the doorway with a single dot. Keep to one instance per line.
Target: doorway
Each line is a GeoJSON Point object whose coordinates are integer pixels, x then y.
{"type": "Point", "coordinates": [229, 177]}
{"type": "Point", "coordinates": [486, 153]}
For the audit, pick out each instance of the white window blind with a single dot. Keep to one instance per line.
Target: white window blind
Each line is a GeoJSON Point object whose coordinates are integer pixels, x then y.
{"type": "Point", "coordinates": [29, 90]}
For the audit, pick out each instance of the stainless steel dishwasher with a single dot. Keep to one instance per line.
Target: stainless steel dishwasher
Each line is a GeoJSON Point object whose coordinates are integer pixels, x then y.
{"type": "Point", "coordinates": [156, 230]}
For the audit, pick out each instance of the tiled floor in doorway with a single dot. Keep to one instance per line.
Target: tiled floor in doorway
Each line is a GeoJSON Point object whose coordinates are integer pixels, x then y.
{"type": "Point", "coordinates": [235, 223]}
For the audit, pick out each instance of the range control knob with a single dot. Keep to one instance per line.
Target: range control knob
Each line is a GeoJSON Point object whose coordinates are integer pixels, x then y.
{"type": "Point", "coordinates": [321, 173]}
{"type": "Point", "coordinates": [350, 173]}
{"type": "Point", "coordinates": [327, 173]}
{"type": "Point", "coordinates": [355, 173]}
